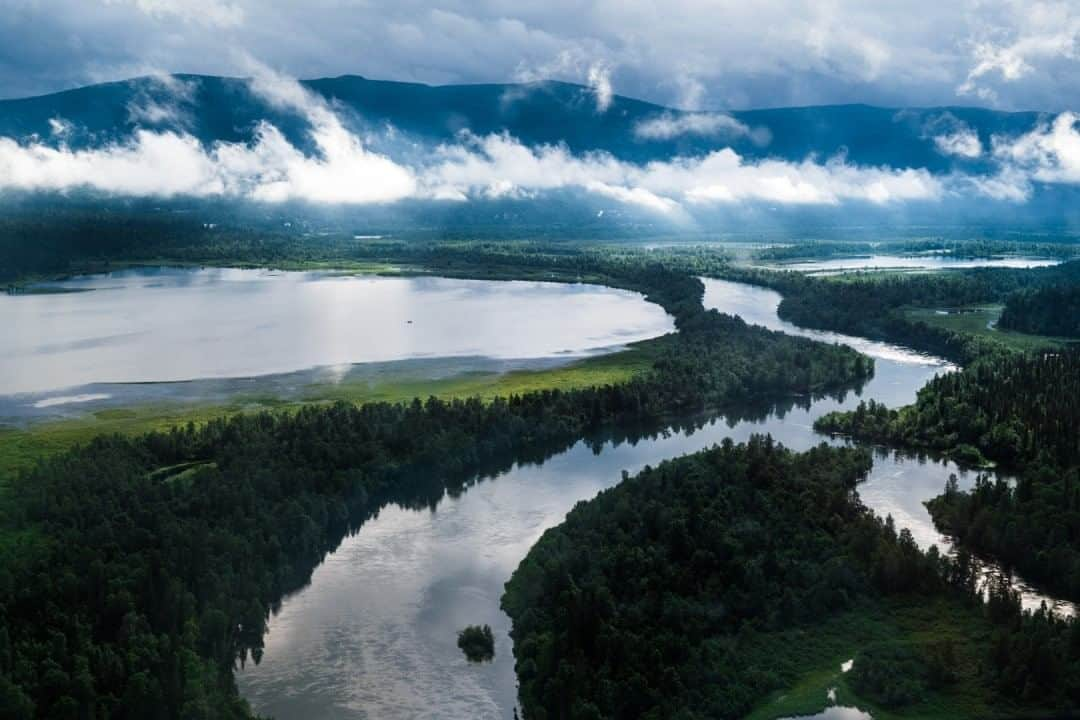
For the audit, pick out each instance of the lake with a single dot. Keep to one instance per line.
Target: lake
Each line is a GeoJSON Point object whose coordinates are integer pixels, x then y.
{"type": "Point", "coordinates": [169, 325]}
{"type": "Point", "coordinates": [374, 633]}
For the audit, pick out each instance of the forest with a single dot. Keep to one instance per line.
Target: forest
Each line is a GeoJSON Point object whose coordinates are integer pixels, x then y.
{"type": "Point", "coordinates": [1019, 411]}
{"type": "Point", "coordinates": [967, 248]}
{"type": "Point", "coordinates": [1051, 310]}
{"type": "Point", "coordinates": [137, 571]}
{"type": "Point", "coordinates": [871, 304]}
{"type": "Point", "coordinates": [659, 598]}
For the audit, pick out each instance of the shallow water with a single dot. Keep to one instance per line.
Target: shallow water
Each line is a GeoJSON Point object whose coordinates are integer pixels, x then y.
{"type": "Point", "coordinates": [22, 409]}
{"type": "Point", "coordinates": [154, 325]}
{"type": "Point", "coordinates": [374, 633]}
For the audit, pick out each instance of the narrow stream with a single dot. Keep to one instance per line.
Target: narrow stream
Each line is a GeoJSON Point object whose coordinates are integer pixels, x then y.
{"type": "Point", "coordinates": [374, 633]}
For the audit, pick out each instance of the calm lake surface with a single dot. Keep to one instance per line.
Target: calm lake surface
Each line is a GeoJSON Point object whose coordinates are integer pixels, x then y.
{"type": "Point", "coordinates": [374, 634]}
{"type": "Point", "coordinates": [157, 325]}
{"type": "Point", "coordinates": [832, 266]}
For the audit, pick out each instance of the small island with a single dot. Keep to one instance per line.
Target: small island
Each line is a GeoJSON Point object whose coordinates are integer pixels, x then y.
{"type": "Point", "coordinates": [478, 643]}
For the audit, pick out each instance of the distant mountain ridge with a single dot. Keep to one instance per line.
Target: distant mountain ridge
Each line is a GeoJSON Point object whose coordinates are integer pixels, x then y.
{"type": "Point", "coordinates": [225, 109]}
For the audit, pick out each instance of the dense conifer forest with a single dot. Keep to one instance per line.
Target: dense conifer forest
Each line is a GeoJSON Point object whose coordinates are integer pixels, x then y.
{"type": "Point", "coordinates": [1020, 411]}
{"type": "Point", "coordinates": [654, 599]}
{"type": "Point", "coordinates": [1045, 311]}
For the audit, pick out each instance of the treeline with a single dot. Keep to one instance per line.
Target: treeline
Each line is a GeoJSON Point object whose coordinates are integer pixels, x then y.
{"type": "Point", "coordinates": [653, 599]}
{"type": "Point", "coordinates": [1014, 409]}
{"type": "Point", "coordinates": [1046, 311]}
{"type": "Point", "coordinates": [975, 248]}
{"type": "Point", "coordinates": [41, 239]}
{"type": "Point", "coordinates": [872, 305]}
{"type": "Point", "coordinates": [57, 241]}
{"type": "Point", "coordinates": [136, 572]}
{"type": "Point", "coordinates": [1020, 411]}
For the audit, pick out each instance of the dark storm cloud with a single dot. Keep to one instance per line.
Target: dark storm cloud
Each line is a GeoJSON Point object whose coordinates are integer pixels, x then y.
{"type": "Point", "coordinates": [691, 53]}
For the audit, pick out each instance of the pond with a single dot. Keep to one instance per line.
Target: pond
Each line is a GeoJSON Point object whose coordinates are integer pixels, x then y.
{"type": "Point", "coordinates": [374, 633]}
{"type": "Point", "coordinates": [167, 325]}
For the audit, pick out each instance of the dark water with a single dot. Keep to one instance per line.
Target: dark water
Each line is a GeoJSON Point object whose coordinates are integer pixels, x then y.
{"type": "Point", "coordinates": [155, 325]}
{"type": "Point", "coordinates": [373, 635]}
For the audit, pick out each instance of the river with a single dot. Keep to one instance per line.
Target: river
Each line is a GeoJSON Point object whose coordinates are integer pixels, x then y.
{"type": "Point", "coordinates": [374, 633]}
{"type": "Point", "coordinates": [910, 263]}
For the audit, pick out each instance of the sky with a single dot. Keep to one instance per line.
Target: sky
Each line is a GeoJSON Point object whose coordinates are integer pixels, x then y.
{"type": "Point", "coordinates": [691, 54]}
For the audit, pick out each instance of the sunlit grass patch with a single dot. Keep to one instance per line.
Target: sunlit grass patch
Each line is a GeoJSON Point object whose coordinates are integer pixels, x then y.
{"type": "Point", "coordinates": [981, 320]}
{"type": "Point", "coordinates": [20, 448]}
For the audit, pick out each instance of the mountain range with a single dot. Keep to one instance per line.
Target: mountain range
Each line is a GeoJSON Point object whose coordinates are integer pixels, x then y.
{"type": "Point", "coordinates": [227, 109]}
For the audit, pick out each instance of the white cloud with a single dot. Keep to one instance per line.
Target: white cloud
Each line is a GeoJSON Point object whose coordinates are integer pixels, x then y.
{"type": "Point", "coordinates": [669, 125]}
{"type": "Point", "coordinates": [162, 99]}
{"type": "Point", "coordinates": [268, 169]}
{"type": "Point", "coordinates": [342, 169]}
{"type": "Point", "coordinates": [499, 164]}
{"type": "Point", "coordinates": [950, 135]}
{"type": "Point", "coordinates": [964, 143]}
{"type": "Point", "coordinates": [701, 54]}
{"type": "Point", "coordinates": [1033, 33]}
{"type": "Point", "coordinates": [575, 65]}
{"type": "Point", "coordinates": [1008, 183]}
{"type": "Point", "coordinates": [271, 169]}
{"type": "Point", "coordinates": [203, 12]}
{"type": "Point", "coordinates": [59, 127]}
{"type": "Point", "coordinates": [599, 79]}
{"type": "Point", "coordinates": [150, 164]}
{"type": "Point", "coordinates": [1050, 153]}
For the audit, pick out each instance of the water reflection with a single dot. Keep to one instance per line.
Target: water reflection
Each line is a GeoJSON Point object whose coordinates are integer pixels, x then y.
{"type": "Point", "coordinates": [833, 711]}
{"type": "Point", "coordinates": [166, 324]}
{"type": "Point", "coordinates": [374, 633]}
{"type": "Point", "coordinates": [832, 266]}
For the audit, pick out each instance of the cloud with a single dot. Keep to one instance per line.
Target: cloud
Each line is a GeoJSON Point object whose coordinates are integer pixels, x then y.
{"type": "Point", "coordinates": [59, 127]}
{"type": "Point", "coordinates": [162, 99]}
{"type": "Point", "coordinates": [950, 135]}
{"type": "Point", "coordinates": [1050, 153]}
{"type": "Point", "coordinates": [669, 125]}
{"type": "Point", "coordinates": [497, 165]}
{"type": "Point", "coordinates": [575, 65]}
{"type": "Point", "coordinates": [343, 169]}
{"type": "Point", "coordinates": [270, 169]}
{"type": "Point", "coordinates": [964, 143]}
{"type": "Point", "coordinates": [697, 54]}
{"type": "Point", "coordinates": [599, 79]}
{"type": "Point", "coordinates": [202, 12]}
{"type": "Point", "coordinates": [1037, 33]}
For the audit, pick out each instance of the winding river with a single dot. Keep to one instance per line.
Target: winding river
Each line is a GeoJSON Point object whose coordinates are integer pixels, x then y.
{"type": "Point", "coordinates": [374, 633]}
